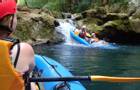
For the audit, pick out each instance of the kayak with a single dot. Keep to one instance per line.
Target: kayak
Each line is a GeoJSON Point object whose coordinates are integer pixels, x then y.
{"type": "Point", "coordinates": [47, 67]}
{"type": "Point", "coordinates": [79, 39]}
{"type": "Point", "coordinates": [100, 44]}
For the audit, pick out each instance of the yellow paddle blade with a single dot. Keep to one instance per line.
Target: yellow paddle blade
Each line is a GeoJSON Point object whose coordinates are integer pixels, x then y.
{"type": "Point", "coordinates": [114, 79]}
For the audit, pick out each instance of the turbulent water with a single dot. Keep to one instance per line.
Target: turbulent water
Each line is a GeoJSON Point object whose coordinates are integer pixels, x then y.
{"type": "Point", "coordinates": [123, 61]}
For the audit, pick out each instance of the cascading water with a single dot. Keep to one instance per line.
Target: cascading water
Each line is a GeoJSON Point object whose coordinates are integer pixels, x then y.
{"type": "Point", "coordinates": [65, 28]}
{"type": "Point", "coordinates": [67, 25]}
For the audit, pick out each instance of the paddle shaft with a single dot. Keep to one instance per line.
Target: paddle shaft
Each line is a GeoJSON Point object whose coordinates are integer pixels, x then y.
{"type": "Point", "coordinates": [87, 78]}
{"type": "Point", "coordinates": [51, 79]}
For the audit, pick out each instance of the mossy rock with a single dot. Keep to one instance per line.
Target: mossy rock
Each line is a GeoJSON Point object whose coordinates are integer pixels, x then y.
{"type": "Point", "coordinates": [89, 13]}
{"type": "Point", "coordinates": [118, 25]}
{"type": "Point", "coordinates": [34, 27]}
{"type": "Point", "coordinates": [93, 24]}
{"type": "Point", "coordinates": [92, 20]}
{"type": "Point", "coordinates": [119, 31]}
{"type": "Point", "coordinates": [135, 24]}
{"type": "Point", "coordinates": [49, 20]}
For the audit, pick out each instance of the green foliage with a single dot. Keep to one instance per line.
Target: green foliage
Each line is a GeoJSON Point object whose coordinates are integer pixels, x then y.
{"type": "Point", "coordinates": [119, 1]}
{"type": "Point", "coordinates": [71, 5]}
{"type": "Point", "coordinates": [55, 5]}
{"type": "Point", "coordinates": [83, 5]}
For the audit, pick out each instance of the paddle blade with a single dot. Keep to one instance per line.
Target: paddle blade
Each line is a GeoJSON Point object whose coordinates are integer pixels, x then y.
{"type": "Point", "coordinates": [114, 79]}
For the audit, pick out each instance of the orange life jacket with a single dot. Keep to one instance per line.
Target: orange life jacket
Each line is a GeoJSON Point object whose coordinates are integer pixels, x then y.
{"type": "Point", "coordinates": [10, 79]}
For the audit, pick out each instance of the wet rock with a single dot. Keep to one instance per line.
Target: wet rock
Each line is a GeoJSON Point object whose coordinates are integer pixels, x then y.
{"type": "Point", "coordinates": [77, 16]}
{"type": "Point", "coordinates": [66, 15]}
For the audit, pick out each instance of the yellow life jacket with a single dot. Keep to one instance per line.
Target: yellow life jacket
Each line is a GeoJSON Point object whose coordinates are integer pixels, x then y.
{"type": "Point", "coordinates": [88, 35]}
{"type": "Point", "coordinates": [10, 79]}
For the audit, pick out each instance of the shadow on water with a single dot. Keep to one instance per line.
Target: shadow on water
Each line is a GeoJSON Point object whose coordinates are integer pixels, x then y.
{"type": "Point", "coordinates": [123, 61]}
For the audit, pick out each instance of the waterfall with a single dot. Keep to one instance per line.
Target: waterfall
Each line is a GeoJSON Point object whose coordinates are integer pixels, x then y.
{"type": "Point", "coordinates": [65, 27]}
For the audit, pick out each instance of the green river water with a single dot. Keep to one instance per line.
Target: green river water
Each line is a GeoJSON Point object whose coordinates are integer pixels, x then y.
{"type": "Point", "coordinates": [123, 61]}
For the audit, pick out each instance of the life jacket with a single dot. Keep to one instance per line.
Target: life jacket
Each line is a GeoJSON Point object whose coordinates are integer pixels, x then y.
{"type": "Point", "coordinates": [10, 79]}
{"type": "Point", "coordinates": [76, 32]}
{"type": "Point", "coordinates": [82, 35]}
{"type": "Point", "coordinates": [88, 35]}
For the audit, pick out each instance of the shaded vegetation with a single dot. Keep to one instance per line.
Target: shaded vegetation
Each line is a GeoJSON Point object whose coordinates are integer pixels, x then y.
{"type": "Point", "coordinates": [72, 5]}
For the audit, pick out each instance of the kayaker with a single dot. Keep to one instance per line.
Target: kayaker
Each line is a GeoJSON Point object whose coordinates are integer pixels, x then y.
{"type": "Point", "coordinates": [22, 54]}
{"type": "Point", "coordinates": [77, 31]}
{"type": "Point", "coordinates": [82, 34]}
{"type": "Point", "coordinates": [93, 38]}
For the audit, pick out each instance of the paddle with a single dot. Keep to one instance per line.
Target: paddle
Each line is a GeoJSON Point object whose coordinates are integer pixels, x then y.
{"type": "Point", "coordinates": [87, 78]}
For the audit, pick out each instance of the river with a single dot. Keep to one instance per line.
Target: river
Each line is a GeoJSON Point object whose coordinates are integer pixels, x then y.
{"type": "Point", "coordinates": [123, 61]}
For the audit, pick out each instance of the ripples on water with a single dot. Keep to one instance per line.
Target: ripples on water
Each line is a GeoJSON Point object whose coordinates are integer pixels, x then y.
{"type": "Point", "coordinates": [124, 61]}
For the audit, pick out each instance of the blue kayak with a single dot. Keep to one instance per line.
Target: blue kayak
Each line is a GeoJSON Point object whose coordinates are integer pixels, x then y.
{"type": "Point", "coordinates": [79, 39]}
{"type": "Point", "coordinates": [47, 67]}
{"type": "Point", "coordinates": [101, 44]}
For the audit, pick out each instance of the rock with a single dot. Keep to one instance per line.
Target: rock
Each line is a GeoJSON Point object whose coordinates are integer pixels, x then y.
{"type": "Point", "coordinates": [95, 13]}
{"type": "Point", "coordinates": [49, 20]}
{"type": "Point", "coordinates": [136, 14]}
{"type": "Point", "coordinates": [115, 16]}
{"type": "Point", "coordinates": [77, 16]}
{"type": "Point", "coordinates": [120, 32]}
{"type": "Point", "coordinates": [135, 24]}
{"type": "Point", "coordinates": [89, 13]}
{"type": "Point", "coordinates": [113, 27]}
{"type": "Point", "coordinates": [66, 15]}
{"type": "Point", "coordinates": [33, 27]}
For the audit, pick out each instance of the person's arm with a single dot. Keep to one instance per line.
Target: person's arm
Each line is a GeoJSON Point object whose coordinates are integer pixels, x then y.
{"type": "Point", "coordinates": [26, 57]}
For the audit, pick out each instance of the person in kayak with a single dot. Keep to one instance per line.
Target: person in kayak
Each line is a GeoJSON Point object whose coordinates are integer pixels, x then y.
{"type": "Point", "coordinates": [84, 34]}
{"type": "Point", "coordinates": [93, 38]}
{"type": "Point", "coordinates": [77, 30]}
{"type": "Point", "coordinates": [22, 54]}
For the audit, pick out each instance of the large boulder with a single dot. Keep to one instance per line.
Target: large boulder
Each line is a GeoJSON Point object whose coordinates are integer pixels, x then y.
{"type": "Point", "coordinates": [115, 16]}
{"type": "Point", "coordinates": [120, 31]}
{"type": "Point", "coordinates": [95, 13]}
{"type": "Point", "coordinates": [34, 27]}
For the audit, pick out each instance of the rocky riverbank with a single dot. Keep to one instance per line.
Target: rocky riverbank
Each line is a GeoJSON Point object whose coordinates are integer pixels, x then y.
{"type": "Point", "coordinates": [36, 25]}
{"type": "Point", "coordinates": [123, 28]}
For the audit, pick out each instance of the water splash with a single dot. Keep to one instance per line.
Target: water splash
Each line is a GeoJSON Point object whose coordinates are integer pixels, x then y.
{"type": "Point", "coordinates": [65, 28]}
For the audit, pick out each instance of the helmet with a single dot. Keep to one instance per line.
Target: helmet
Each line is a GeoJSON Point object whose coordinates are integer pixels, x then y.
{"type": "Point", "coordinates": [7, 7]}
